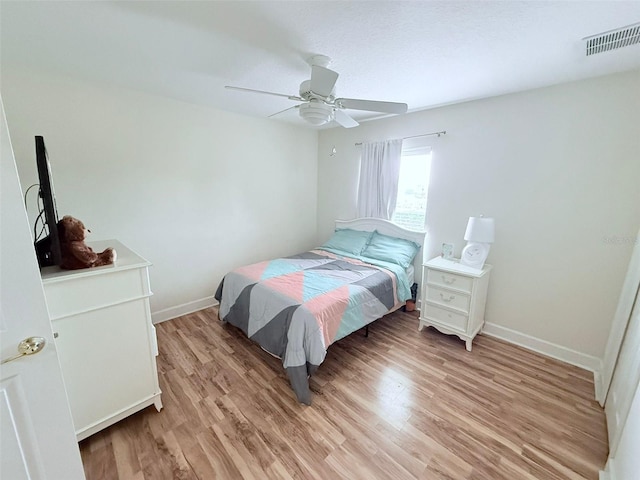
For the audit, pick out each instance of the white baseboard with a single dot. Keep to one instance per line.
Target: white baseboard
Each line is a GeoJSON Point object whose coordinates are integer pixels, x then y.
{"type": "Point", "coordinates": [609, 472]}
{"type": "Point", "coordinates": [185, 308]}
{"type": "Point", "coordinates": [582, 360]}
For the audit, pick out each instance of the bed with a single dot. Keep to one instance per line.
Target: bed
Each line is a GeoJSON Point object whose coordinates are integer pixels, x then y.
{"type": "Point", "coordinates": [296, 307]}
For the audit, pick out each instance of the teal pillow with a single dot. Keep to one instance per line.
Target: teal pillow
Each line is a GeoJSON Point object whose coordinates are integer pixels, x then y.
{"type": "Point", "coordinates": [348, 241]}
{"type": "Point", "coordinates": [391, 249]}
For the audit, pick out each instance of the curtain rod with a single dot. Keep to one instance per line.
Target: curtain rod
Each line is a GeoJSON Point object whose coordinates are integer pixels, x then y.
{"type": "Point", "coordinates": [443, 132]}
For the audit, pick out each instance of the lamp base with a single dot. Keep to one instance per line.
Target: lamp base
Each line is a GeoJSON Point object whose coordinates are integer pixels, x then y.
{"type": "Point", "coordinates": [475, 254]}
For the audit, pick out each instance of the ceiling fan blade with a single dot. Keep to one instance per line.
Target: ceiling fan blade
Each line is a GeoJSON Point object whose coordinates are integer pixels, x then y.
{"type": "Point", "coordinates": [371, 105]}
{"type": "Point", "coordinates": [322, 80]}
{"type": "Point", "coordinates": [282, 111]}
{"type": "Point", "coordinates": [290, 97]}
{"type": "Point", "coordinates": [345, 120]}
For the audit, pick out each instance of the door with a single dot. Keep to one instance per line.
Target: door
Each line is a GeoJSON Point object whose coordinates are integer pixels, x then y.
{"type": "Point", "coordinates": [36, 430]}
{"type": "Point", "coordinates": [619, 325]}
{"type": "Point", "coordinates": [625, 381]}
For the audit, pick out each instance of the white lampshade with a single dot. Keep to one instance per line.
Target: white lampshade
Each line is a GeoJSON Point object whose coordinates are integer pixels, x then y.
{"type": "Point", "coordinates": [480, 230]}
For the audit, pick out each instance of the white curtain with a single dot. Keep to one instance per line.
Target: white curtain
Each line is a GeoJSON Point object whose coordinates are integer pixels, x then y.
{"type": "Point", "coordinates": [379, 173]}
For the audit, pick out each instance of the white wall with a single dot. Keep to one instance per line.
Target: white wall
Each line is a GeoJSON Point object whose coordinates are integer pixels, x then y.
{"type": "Point", "coordinates": [196, 191]}
{"type": "Point", "coordinates": [557, 167]}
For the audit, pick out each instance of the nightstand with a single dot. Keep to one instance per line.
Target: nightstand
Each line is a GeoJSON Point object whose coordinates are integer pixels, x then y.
{"type": "Point", "coordinates": [454, 298]}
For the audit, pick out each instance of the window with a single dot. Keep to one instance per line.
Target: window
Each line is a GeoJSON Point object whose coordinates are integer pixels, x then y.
{"type": "Point", "coordinates": [413, 186]}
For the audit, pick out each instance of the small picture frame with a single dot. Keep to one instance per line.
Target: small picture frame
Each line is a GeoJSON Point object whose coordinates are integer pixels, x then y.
{"type": "Point", "coordinates": [447, 251]}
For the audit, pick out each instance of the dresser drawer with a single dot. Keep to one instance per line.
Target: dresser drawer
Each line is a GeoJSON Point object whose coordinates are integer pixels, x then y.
{"type": "Point", "coordinates": [449, 280]}
{"type": "Point", "coordinates": [83, 293]}
{"type": "Point", "coordinates": [448, 298]}
{"type": "Point", "coordinates": [447, 318]}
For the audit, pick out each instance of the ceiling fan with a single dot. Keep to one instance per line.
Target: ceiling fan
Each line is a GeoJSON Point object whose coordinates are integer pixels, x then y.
{"type": "Point", "coordinates": [320, 105]}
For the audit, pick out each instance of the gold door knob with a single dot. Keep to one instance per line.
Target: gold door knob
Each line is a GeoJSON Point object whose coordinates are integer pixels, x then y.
{"type": "Point", "coordinates": [28, 346]}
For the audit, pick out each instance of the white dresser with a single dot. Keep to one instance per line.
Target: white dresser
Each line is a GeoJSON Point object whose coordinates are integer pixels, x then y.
{"type": "Point", "coordinates": [454, 298]}
{"type": "Point", "coordinates": [105, 338]}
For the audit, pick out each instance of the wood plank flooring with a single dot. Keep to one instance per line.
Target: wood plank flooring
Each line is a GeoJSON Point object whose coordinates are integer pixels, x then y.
{"type": "Point", "coordinates": [400, 404]}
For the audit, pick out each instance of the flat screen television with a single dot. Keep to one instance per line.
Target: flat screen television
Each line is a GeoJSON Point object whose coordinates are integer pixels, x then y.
{"type": "Point", "coordinates": [47, 247]}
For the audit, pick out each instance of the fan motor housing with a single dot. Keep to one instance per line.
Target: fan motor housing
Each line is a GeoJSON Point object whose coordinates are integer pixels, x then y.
{"type": "Point", "coordinates": [305, 89]}
{"type": "Point", "coordinates": [308, 94]}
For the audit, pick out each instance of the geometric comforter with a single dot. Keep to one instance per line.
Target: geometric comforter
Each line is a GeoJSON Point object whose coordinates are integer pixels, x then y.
{"type": "Point", "coordinates": [295, 307]}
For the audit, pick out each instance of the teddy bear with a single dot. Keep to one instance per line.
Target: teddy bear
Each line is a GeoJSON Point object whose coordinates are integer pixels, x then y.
{"type": "Point", "coordinates": [74, 252]}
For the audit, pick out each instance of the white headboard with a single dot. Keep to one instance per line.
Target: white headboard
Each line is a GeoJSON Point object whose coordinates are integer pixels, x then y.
{"type": "Point", "coordinates": [387, 228]}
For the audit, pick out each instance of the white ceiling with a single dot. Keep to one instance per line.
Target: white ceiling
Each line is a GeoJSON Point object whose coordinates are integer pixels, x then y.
{"type": "Point", "coordinates": [423, 53]}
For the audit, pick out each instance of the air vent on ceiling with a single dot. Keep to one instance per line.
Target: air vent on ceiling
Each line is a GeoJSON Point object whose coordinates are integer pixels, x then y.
{"type": "Point", "coordinates": [621, 37]}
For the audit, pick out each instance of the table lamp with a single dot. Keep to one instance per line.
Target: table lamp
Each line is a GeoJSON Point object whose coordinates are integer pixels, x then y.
{"type": "Point", "coordinates": [480, 235]}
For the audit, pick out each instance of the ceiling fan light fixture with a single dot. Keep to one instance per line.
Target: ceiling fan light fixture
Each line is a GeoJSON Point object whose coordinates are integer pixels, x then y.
{"type": "Point", "coordinates": [318, 94]}
{"type": "Point", "coordinates": [316, 113]}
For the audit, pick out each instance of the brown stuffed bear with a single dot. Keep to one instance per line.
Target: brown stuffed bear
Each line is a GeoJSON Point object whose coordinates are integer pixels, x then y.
{"type": "Point", "coordinates": [74, 252]}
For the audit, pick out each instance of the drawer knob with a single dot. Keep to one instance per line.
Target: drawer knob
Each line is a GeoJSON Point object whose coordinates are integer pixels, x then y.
{"type": "Point", "coordinates": [448, 298]}
{"type": "Point", "coordinates": [448, 280]}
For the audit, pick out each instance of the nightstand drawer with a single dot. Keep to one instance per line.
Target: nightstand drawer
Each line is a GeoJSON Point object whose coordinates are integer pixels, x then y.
{"type": "Point", "coordinates": [448, 298]}
{"type": "Point", "coordinates": [449, 280]}
{"type": "Point", "coordinates": [447, 318]}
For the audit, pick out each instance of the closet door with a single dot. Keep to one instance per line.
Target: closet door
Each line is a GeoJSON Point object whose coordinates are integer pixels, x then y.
{"type": "Point", "coordinates": [619, 325]}
{"type": "Point", "coordinates": [625, 379]}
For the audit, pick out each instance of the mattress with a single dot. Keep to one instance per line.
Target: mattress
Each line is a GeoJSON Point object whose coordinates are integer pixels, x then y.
{"type": "Point", "coordinates": [295, 307]}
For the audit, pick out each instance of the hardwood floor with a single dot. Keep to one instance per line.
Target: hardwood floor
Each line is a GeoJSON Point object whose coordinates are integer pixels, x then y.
{"type": "Point", "coordinates": [400, 404]}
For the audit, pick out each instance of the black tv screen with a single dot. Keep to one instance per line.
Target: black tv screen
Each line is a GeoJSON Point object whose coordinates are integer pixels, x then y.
{"type": "Point", "coordinates": [48, 247]}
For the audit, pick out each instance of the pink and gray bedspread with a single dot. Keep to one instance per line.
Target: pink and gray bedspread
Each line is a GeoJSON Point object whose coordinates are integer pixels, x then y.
{"type": "Point", "coordinates": [295, 307]}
